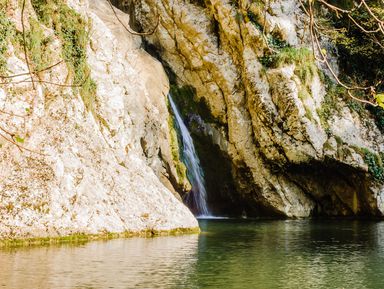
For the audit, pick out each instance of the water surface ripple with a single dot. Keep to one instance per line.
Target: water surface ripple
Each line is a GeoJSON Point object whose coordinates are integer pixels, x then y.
{"type": "Point", "coordinates": [227, 254]}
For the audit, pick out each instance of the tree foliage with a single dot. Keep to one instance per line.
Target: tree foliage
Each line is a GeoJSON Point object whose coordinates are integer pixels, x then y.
{"type": "Point", "coordinates": [357, 30]}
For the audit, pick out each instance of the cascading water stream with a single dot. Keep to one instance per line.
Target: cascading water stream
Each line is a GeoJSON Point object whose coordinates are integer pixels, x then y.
{"type": "Point", "coordinates": [196, 199]}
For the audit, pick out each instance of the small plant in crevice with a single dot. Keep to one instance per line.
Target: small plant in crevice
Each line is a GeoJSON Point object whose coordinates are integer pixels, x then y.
{"type": "Point", "coordinates": [378, 115]}
{"type": "Point", "coordinates": [356, 106]}
{"type": "Point", "coordinates": [375, 164]}
{"type": "Point", "coordinates": [302, 58]}
{"type": "Point", "coordinates": [234, 3]}
{"type": "Point", "coordinates": [276, 42]}
{"type": "Point", "coordinates": [255, 19]}
{"type": "Point", "coordinates": [200, 3]}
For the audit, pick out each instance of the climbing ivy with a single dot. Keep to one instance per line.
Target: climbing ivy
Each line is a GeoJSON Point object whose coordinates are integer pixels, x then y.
{"type": "Point", "coordinates": [375, 164]}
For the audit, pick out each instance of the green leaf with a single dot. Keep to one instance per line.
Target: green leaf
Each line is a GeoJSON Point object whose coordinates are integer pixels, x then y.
{"type": "Point", "coordinates": [324, 52]}
{"type": "Point", "coordinates": [19, 139]}
{"type": "Point", "coordinates": [380, 99]}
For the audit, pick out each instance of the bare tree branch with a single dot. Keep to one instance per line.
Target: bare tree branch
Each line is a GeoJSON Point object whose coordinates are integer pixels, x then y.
{"type": "Point", "coordinates": [314, 31]}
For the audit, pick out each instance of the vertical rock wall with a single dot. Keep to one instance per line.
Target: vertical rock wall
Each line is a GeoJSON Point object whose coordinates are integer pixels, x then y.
{"type": "Point", "coordinates": [295, 148]}
{"type": "Point", "coordinates": [70, 167]}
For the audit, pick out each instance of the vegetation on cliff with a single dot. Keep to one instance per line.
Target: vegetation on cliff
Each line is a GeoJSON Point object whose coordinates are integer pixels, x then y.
{"type": "Point", "coordinates": [31, 40]}
{"type": "Point", "coordinates": [357, 30]}
{"type": "Point", "coordinates": [6, 32]}
{"type": "Point", "coordinates": [72, 29]}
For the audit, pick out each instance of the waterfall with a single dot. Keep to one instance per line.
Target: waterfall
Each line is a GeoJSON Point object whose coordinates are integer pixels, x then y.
{"type": "Point", "coordinates": [196, 199]}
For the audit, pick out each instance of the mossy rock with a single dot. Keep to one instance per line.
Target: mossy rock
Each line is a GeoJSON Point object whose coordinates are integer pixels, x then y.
{"type": "Point", "coordinates": [82, 238]}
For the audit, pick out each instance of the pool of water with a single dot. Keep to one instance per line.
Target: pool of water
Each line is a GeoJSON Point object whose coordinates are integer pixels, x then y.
{"type": "Point", "coordinates": [227, 254]}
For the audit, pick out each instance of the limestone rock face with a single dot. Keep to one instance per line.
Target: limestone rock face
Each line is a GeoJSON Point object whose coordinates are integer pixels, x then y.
{"type": "Point", "coordinates": [293, 151]}
{"type": "Point", "coordinates": [76, 170]}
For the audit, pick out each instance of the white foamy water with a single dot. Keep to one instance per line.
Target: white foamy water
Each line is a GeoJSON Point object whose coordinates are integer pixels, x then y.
{"type": "Point", "coordinates": [196, 199]}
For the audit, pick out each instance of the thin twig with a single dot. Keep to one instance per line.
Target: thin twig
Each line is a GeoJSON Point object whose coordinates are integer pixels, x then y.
{"type": "Point", "coordinates": [12, 135]}
{"type": "Point", "coordinates": [33, 72]}
{"type": "Point", "coordinates": [372, 14]}
{"type": "Point", "coordinates": [20, 147]}
{"type": "Point", "coordinates": [361, 27]}
{"type": "Point", "coordinates": [47, 82]}
{"type": "Point", "coordinates": [11, 140]}
{"type": "Point", "coordinates": [315, 41]}
{"type": "Point", "coordinates": [361, 100]}
{"type": "Point", "coordinates": [59, 84]}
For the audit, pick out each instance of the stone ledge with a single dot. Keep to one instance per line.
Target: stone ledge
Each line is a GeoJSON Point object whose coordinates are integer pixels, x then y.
{"type": "Point", "coordinates": [85, 238]}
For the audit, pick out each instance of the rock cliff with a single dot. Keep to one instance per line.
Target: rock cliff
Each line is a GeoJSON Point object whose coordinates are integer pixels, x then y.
{"type": "Point", "coordinates": [85, 147]}
{"type": "Point", "coordinates": [291, 143]}
{"type": "Point", "coordinates": [87, 144]}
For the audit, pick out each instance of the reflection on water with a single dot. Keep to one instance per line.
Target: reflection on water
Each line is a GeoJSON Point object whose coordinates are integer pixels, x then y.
{"type": "Point", "coordinates": [228, 254]}
{"type": "Point", "coordinates": [125, 263]}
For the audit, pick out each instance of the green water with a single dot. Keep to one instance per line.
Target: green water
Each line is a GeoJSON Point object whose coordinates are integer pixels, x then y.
{"type": "Point", "coordinates": [227, 254]}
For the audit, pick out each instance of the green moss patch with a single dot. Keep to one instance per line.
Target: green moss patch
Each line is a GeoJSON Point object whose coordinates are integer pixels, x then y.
{"type": "Point", "coordinates": [302, 58]}
{"type": "Point", "coordinates": [330, 103]}
{"type": "Point", "coordinates": [84, 238]}
{"type": "Point", "coordinates": [375, 162]}
{"type": "Point", "coordinates": [175, 151]}
{"type": "Point", "coordinates": [38, 46]}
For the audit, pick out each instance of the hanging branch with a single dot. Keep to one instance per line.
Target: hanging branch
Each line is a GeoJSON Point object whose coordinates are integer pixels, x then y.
{"type": "Point", "coordinates": [314, 28]}
{"type": "Point", "coordinates": [129, 29]}
{"type": "Point", "coordinates": [20, 147]}
{"type": "Point", "coordinates": [380, 22]}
